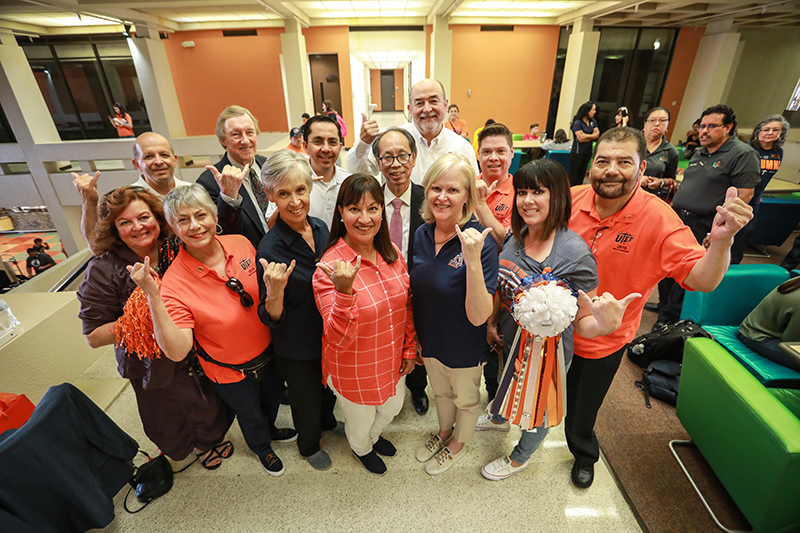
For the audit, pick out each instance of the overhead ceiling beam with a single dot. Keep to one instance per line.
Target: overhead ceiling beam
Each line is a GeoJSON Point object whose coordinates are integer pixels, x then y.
{"type": "Point", "coordinates": [595, 10]}
{"type": "Point", "coordinates": [111, 12]}
{"type": "Point", "coordinates": [443, 8]}
{"type": "Point", "coordinates": [286, 10]}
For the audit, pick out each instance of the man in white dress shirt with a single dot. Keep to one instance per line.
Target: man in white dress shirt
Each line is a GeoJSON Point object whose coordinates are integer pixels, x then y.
{"type": "Point", "coordinates": [322, 140]}
{"type": "Point", "coordinates": [428, 108]}
{"type": "Point", "coordinates": [396, 153]}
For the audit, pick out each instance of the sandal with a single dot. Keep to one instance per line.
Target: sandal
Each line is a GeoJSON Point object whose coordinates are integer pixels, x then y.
{"type": "Point", "coordinates": [224, 449]}
{"type": "Point", "coordinates": [207, 459]}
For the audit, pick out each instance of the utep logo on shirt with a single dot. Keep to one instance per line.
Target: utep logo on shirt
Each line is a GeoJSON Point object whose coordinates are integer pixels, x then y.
{"type": "Point", "coordinates": [457, 261]}
{"type": "Point", "coordinates": [622, 242]}
{"type": "Point", "coordinates": [501, 208]}
{"type": "Point", "coordinates": [247, 266]}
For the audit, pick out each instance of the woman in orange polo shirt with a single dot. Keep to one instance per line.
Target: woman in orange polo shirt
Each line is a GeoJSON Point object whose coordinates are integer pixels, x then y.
{"type": "Point", "coordinates": [122, 121]}
{"type": "Point", "coordinates": [368, 342]}
{"type": "Point", "coordinates": [206, 301]}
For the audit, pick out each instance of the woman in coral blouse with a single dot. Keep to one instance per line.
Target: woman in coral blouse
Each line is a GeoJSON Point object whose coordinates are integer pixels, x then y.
{"type": "Point", "coordinates": [368, 343]}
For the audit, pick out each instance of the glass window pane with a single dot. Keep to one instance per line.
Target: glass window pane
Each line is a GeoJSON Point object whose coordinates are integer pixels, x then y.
{"type": "Point", "coordinates": [6, 135]}
{"type": "Point", "coordinates": [119, 49]}
{"type": "Point", "coordinates": [125, 88]}
{"type": "Point", "coordinates": [57, 97]}
{"type": "Point", "coordinates": [85, 85]}
{"type": "Point", "coordinates": [37, 52]}
{"type": "Point", "coordinates": [70, 51]}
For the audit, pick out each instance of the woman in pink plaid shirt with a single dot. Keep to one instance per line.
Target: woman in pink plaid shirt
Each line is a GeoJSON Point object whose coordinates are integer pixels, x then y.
{"type": "Point", "coordinates": [368, 342]}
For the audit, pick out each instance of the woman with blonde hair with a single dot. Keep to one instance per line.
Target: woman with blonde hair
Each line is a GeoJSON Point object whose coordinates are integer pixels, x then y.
{"type": "Point", "coordinates": [453, 279]}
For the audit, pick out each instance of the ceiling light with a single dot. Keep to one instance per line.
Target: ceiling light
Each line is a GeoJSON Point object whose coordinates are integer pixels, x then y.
{"type": "Point", "coordinates": [657, 44]}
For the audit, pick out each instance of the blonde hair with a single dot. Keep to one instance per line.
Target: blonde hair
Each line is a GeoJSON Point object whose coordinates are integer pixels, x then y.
{"type": "Point", "coordinates": [230, 112]}
{"type": "Point", "coordinates": [444, 165]}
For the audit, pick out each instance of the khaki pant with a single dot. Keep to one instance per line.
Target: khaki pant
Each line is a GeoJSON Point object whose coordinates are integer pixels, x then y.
{"type": "Point", "coordinates": [363, 424]}
{"type": "Point", "coordinates": [458, 397]}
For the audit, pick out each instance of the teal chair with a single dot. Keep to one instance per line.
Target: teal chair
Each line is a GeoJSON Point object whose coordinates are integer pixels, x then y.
{"type": "Point", "coordinates": [515, 162]}
{"type": "Point", "coordinates": [561, 157]}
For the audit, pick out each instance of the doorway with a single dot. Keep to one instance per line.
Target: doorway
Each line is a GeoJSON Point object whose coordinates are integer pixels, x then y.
{"type": "Point", "coordinates": [387, 90]}
{"type": "Point", "coordinates": [325, 80]}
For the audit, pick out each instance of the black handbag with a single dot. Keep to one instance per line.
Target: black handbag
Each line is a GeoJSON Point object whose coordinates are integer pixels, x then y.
{"type": "Point", "coordinates": [664, 343]}
{"type": "Point", "coordinates": [151, 480]}
{"type": "Point", "coordinates": [253, 369]}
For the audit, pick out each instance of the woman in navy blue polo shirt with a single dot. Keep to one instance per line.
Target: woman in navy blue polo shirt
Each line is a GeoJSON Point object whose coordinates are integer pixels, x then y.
{"type": "Point", "coordinates": [453, 279]}
{"type": "Point", "coordinates": [584, 133]}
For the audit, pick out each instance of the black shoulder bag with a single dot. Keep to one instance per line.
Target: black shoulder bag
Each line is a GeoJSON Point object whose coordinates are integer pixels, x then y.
{"type": "Point", "coordinates": [253, 369]}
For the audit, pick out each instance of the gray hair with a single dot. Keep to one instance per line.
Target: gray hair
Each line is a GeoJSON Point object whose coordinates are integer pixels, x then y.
{"type": "Point", "coordinates": [282, 166]}
{"type": "Point", "coordinates": [230, 112]}
{"type": "Point", "coordinates": [412, 144]}
{"type": "Point", "coordinates": [445, 164]}
{"type": "Point", "coordinates": [194, 195]}
{"type": "Point", "coordinates": [772, 118]}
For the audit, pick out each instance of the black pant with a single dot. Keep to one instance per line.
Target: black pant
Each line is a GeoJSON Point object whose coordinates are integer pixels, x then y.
{"type": "Point", "coordinates": [740, 240]}
{"type": "Point", "coordinates": [256, 404]}
{"type": "Point", "coordinates": [577, 168]}
{"type": "Point", "coordinates": [491, 372]}
{"type": "Point", "coordinates": [588, 381]}
{"type": "Point", "coordinates": [311, 402]}
{"type": "Point", "coordinates": [792, 259]}
{"type": "Point", "coordinates": [670, 294]}
{"type": "Point", "coordinates": [417, 380]}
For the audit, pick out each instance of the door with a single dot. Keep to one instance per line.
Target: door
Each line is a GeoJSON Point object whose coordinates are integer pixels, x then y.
{"type": "Point", "coordinates": [387, 90]}
{"type": "Point", "coordinates": [325, 80]}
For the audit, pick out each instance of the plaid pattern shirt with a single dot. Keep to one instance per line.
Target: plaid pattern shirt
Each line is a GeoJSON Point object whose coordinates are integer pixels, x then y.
{"type": "Point", "coordinates": [368, 333]}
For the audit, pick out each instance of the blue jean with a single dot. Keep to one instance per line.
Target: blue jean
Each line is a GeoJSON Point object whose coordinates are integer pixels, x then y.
{"type": "Point", "coordinates": [768, 348]}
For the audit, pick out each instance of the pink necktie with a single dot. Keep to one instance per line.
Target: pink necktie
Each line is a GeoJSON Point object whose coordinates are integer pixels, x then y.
{"type": "Point", "coordinates": [396, 224]}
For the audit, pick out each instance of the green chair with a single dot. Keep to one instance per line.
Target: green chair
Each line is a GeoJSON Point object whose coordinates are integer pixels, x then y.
{"type": "Point", "coordinates": [517, 136]}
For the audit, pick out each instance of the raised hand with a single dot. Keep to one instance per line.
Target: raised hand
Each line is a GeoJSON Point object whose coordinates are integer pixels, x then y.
{"type": "Point", "coordinates": [472, 243]}
{"type": "Point", "coordinates": [230, 179]}
{"type": "Point", "coordinates": [369, 129]}
{"type": "Point", "coordinates": [607, 310]}
{"type": "Point", "coordinates": [276, 275]}
{"type": "Point", "coordinates": [731, 216]}
{"type": "Point", "coordinates": [343, 274]}
{"type": "Point", "coordinates": [87, 187]}
{"type": "Point", "coordinates": [145, 277]}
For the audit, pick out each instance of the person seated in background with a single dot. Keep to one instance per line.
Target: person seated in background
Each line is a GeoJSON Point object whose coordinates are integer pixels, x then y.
{"type": "Point", "coordinates": [296, 141]}
{"type": "Point", "coordinates": [776, 319]}
{"type": "Point", "coordinates": [559, 142]}
{"type": "Point", "coordinates": [305, 117]}
{"type": "Point", "coordinates": [38, 262]}
{"type": "Point", "coordinates": [39, 245]}
{"type": "Point", "coordinates": [533, 134]}
{"type": "Point", "coordinates": [621, 119]}
{"type": "Point", "coordinates": [692, 140]}
{"type": "Point", "coordinates": [454, 123]}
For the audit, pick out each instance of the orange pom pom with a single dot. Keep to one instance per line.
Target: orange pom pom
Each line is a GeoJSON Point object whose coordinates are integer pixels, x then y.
{"type": "Point", "coordinates": [135, 327]}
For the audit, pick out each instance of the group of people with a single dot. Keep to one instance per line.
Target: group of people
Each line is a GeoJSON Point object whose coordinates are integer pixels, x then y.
{"type": "Point", "coordinates": [351, 286]}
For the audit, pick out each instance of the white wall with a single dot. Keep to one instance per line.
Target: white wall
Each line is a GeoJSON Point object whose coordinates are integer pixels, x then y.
{"type": "Point", "coordinates": [359, 75]}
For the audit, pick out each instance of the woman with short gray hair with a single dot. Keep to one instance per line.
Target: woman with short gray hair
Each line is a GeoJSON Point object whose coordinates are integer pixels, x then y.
{"type": "Point", "coordinates": [287, 257]}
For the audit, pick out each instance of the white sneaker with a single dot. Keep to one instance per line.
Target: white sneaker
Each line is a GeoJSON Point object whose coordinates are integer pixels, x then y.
{"type": "Point", "coordinates": [501, 469]}
{"type": "Point", "coordinates": [485, 424]}
{"type": "Point", "coordinates": [429, 448]}
{"type": "Point", "coordinates": [443, 460]}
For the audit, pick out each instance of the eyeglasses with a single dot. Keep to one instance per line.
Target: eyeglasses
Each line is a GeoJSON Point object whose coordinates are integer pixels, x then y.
{"type": "Point", "coordinates": [236, 286]}
{"type": "Point", "coordinates": [709, 127]}
{"type": "Point", "coordinates": [333, 143]}
{"type": "Point", "coordinates": [388, 160]}
{"type": "Point", "coordinates": [657, 120]}
{"type": "Point", "coordinates": [597, 234]}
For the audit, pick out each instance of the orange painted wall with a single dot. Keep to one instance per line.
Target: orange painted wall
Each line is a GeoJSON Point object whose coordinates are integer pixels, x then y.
{"type": "Point", "coordinates": [679, 71]}
{"type": "Point", "coordinates": [510, 74]}
{"type": "Point", "coordinates": [220, 71]}
{"type": "Point", "coordinates": [428, 32]}
{"type": "Point", "coordinates": [335, 40]}
{"type": "Point", "coordinates": [398, 89]}
{"type": "Point", "coordinates": [375, 87]}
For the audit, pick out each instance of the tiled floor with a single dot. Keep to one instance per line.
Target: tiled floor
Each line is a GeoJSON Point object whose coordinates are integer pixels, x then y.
{"type": "Point", "coordinates": [16, 245]}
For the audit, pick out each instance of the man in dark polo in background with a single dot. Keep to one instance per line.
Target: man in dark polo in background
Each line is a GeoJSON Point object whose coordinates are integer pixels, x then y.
{"type": "Point", "coordinates": [722, 161]}
{"type": "Point", "coordinates": [241, 200]}
{"type": "Point", "coordinates": [396, 153]}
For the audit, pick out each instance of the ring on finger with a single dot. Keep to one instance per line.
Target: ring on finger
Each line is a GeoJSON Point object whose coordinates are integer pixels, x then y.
{"type": "Point", "coordinates": [594, 299]}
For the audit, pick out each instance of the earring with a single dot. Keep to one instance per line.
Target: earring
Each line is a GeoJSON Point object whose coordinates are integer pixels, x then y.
{"type": "Point", "coordinates": [219, 229]}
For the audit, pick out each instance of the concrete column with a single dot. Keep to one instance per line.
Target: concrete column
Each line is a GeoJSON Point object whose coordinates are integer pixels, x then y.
{"type": "Point", "coordinates": [576, 86]}
{"type": "Point", "coordinates": [296, 73]}
{"type": "Point", "coordinates": [442, 52]}
{"type": "Point", "coordinates": [155, 78]}
{"type": "Point", "coordinates": [712, 73]}
{"type": "Point", "coordinates": [32, 124]}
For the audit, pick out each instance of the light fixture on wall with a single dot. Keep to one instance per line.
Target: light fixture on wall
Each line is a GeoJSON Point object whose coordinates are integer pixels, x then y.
{"type": "Point", "coordinates": [657, 44]}
{"type": "Point", "coordinates": [127, 32]}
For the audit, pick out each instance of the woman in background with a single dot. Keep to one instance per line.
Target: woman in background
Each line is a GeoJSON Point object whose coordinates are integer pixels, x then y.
{"type": "Point", "coordinates": [585, 132]}
{"type": "Point", "coordinates": [662, 157]}
{"type": "Point", "coordinates": [559, 142]}
{"type": "Point", "coordinates": [621, 119]}
{"type": "Point", "coordinates": [776, 319]}
{"type": "Point", "coordinates": [327, 108]}
{"type": "Point", "coordinates": [122, 122]}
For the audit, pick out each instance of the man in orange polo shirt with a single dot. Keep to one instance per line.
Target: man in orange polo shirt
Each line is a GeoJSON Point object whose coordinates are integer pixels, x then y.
{"type": "Point", "coordinates": [637, 240]}
{"type": "Point", "coordinates": [495, 185]}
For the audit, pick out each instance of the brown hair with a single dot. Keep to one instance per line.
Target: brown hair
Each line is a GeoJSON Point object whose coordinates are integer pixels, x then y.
{"type": "Point", "coordinates": [789, 286]}
{"type": "Point", "coordinates": [496, 130]}
{"type": "Point", "coordinates": [351, 192]}
{"type": "Point", "coordinates": [230, 112]}
{"type": "Point", "coordinates": [112, 205]}
{"type": "Point", "coordinates": [537, 175]}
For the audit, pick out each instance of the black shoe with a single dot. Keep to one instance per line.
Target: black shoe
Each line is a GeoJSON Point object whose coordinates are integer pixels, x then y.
{"type": "Point", "coordinates": [582, 476]}
{"type": "Point", "coordinates": [420, 404]}
{"type": "Point", "coordinates": [384, 447]}
{"type": "Point", "coordinates": [653, 308]}
{"type": "Point", "coordinates": [284, 435]}
{"type": "Point", "coordinates": [272, 464]}
{"type": "Point", "coordinates": [372, 463]}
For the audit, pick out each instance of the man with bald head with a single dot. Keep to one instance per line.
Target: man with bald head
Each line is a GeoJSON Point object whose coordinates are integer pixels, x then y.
{"type": "Point", "coordinates": [155, 159]}
{"type": "Point", "coordinates": [428, 108]}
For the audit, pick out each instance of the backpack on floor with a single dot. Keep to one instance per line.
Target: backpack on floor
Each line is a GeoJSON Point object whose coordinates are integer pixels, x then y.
{"type": "Point", "coordinates": [661, 380]}
{"type": "Point", "coordinates": [664, 343]}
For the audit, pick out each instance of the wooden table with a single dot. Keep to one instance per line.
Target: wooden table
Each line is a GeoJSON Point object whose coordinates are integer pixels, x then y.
{"type": "Point", "coordinates": [527, 144]}
{"type": "Point", "coordinates": [777, 186]}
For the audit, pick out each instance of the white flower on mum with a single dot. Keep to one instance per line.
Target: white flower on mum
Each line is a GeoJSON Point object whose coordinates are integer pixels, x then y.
{"type": "Point", "coordinates": [545, 309]}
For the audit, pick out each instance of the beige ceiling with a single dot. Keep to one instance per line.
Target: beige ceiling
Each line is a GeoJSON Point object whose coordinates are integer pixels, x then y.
{"type": "Point", "coordinates": [48, 17]}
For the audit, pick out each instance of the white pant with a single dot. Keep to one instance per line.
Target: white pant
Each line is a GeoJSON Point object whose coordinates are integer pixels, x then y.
{"type": "Point", "coordinates": [363, 424]}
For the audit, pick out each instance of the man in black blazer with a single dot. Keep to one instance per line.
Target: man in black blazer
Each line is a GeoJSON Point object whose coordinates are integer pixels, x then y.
{"type": "Point", "coordinates": [241, 200]}
{"type": "Point", "coordinates": [396, 153]}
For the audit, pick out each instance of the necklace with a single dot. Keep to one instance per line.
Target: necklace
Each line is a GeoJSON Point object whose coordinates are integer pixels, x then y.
{"type": "Point", "coordinates": [444, 241]}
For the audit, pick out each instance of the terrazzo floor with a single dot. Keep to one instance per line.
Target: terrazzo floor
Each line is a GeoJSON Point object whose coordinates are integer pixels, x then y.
{"type": "Point", "coordinates": [240, 496]}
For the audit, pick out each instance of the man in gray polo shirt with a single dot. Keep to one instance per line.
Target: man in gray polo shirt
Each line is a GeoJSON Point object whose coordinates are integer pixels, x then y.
{"type": "Point", "coordinates": [722, 161]}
